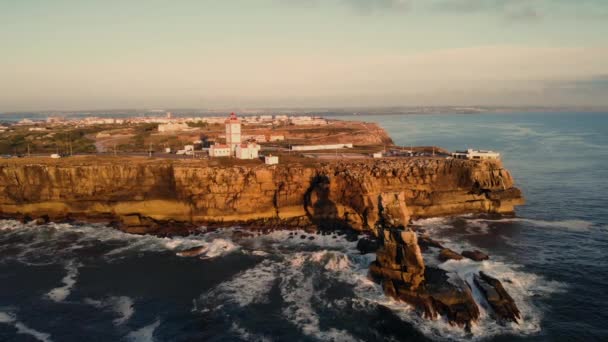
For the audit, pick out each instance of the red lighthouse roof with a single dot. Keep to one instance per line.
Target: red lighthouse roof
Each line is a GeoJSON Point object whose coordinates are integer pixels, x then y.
{"type": "Point", "coordinates": [232, 118]}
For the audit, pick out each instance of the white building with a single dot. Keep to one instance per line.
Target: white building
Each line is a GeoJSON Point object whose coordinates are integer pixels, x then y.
{"type": "Point", "coordinates": [247, 151]}
{"type": "Point", "coordinates": [233, 132]}
{"type": "Point", "coordinates": [219, 150]}
{"type": "Point", "coordinates": [476, 154]}
{"type": "Point", "coordinates": [377, 155]}
{"type": "Point", "coordinates": [172, 127]}
{"type": "Point", "coordinates": [276, 138]}
{"type": "Point", "coordinates": [307, 120]}
{"type": "Point", "coordinates": [271, 160]}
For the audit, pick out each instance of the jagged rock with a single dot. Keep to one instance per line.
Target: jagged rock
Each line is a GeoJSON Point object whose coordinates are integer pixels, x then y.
{"type": "Point", "coordinates": [392, 208]}
{"type": "Point", "coordinates": [400, 267]}
{"type": "Point", "coordinates": [399, 258]}
{"type": "Point", "coordinates": [367, 245]}
{"type": "Point", "coordinates": [475, 255]}
{"type": "Point", "coordinates": [448, 254]}
{"type": "Point", "coordinates": [499, 299]}
{"type": "Point", "coordinates": [425, 241]}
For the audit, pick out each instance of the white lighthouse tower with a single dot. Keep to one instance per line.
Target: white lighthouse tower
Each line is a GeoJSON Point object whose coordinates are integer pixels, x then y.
{"type": "Point", "coordinates": [233, 132]}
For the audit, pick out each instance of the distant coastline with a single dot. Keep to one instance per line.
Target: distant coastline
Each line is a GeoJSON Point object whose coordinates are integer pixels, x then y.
{"type": "Point", "coordinates": [326, 111]}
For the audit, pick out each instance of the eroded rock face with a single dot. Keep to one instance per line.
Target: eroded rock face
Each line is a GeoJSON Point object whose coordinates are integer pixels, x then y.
{"type": "Point", "coordinates": [399, 259]}
{"type": "Point", "coordinates": [400, 267]}
{"type": "Point", "coordinates": [504, 306]}
{"type": "Point", "coordinates": [356, 194]}
{"type": "Point", "coordinates": [448, 254]}
{"type": "Point", "coordinates": [475, 255]}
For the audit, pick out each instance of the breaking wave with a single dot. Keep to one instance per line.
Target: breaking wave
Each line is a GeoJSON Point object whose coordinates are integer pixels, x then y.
{"type": "Point", "coordinates": [575, 225]}
{"type": "Point", "coordinates": [57, 242]}
{"type": "Point", "coordinates": [59, 294]}
{"type": "Point", "coordinates": [122, 306]}
{"type": "Point", "coordinates": [11, 319]}
{"type": "Point", "coordinates": [144, 334]}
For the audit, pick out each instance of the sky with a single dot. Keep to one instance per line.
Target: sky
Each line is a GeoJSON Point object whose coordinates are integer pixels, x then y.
{"type": "Point", "coordinates": [85, 54]}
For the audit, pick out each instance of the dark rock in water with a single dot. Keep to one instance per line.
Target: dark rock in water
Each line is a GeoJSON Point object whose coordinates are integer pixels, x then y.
{"type": "Point", "coordinates": [302, 237]}
{"type": "Point", "coordinates": [448, 254]}
{"type": "Point", "coordinates": [503, 304]}
{"type": "Point", "coordinates": [400, 266]}
{"type": "Point", "coordinates": [425, 242]}
{"type": "Point", "coordinates": [367, 245]}
{"type": "Point", "coordinates": [43, 220]}
{"type": "Point", "coordinates": [475, 255]}
{"type": "Point", "coordinates": [25, 219]}
{"type": "Point", "coordinates": [311, 238]}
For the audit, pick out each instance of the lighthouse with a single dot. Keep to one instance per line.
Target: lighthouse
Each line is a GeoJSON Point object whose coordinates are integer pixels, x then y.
{"type": "Point", "coordinates": [233, 132]}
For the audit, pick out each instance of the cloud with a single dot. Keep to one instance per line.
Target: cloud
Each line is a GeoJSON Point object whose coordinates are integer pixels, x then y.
{"type": "Point", "coordinates": [360, 6]}
{"type": "Point", "coordinates": [512, 10]}
{"type": "Point", "coordinates": [369, 6]}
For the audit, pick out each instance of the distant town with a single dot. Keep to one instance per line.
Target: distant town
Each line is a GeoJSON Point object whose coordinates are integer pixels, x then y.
{"type": "Point", "coordinates": [267, 138]}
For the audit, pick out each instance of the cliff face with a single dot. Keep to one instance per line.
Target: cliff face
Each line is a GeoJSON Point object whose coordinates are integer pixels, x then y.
{"type": "Point", "coordinates": [358, 194]}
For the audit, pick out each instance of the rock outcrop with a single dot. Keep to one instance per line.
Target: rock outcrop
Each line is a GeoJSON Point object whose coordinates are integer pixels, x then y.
{"type": "Point", "coordinates": [400, 267]}
{"type": "Point", "coordinates": [146, 195]}
{"type": "Point", "coordinates": [475, 255]}
{"type": "Point", "coordinates": [504, 306]}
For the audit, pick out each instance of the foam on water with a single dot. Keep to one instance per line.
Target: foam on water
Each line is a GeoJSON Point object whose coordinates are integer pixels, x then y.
{"type": "Point", "coordinates": [575, 225]}
{"type": "Point", "coordinates": [11, 319]}
{"type": "Point", "coordinates": [248, 335]}
{"type": "Point", "coordinates": [144, 334]}
{"type": "Point", "coordinates": [56, 242]}
{"type": "Point", "coordinates": [298, 270]}
{"type": "Point", "coordinates": [59, 294]}
{"type": "Point", "coordinates": [122, 306]}
{"type": "Point", "coordinates": [250, 286]}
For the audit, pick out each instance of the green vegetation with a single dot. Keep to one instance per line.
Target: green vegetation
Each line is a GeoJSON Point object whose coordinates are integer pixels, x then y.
{"type": "Point", "coordinates": [199, 124]}
{"type": "Point", "coordinates": [58, 139]}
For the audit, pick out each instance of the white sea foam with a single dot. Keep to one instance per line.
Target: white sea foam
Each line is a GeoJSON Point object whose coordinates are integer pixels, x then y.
{"type": "Point", "coordinates": [59, 294]}
{"type": "Point", "coordinates": [298, 291]}
{"type": "Point", "coordinates": [44, 240]}
{"type": "Point", "coordinates": [576, 225]}
{"type": "Point", "coordinates": [250, 286]}
{"type": "Point", "coordinates": [122, 306]}
{"type": "Point", "coordinates": [521, 285]}
{"type": "Point", "coordinates": [144, 334]}
{"type": "Point", "coordinates": [11, 319]}
{"type": "Point", "coordinates": [248, 335]}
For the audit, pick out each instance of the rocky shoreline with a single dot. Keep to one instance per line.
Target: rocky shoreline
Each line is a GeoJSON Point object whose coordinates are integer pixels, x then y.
{"type": "Point", "coordinates": [379, 197]}
{"type": "Point", "coordinates": [147, 196]}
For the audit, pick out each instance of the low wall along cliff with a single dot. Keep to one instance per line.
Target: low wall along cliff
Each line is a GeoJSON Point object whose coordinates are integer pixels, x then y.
{"type": "Point", "coordinates": [147, 195]}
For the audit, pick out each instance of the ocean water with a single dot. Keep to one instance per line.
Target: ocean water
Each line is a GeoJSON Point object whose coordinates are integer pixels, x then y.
{"type": "Point", "coordinates": [62, 282]}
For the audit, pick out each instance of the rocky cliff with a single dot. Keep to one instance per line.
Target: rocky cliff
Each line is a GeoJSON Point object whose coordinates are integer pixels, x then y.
{"type": "Point", "coordinates": [145, 195]}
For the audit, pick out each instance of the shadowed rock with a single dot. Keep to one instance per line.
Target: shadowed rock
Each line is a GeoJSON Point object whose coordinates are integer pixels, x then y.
{"type": "Point", "coordinates": [475, 255]}
{"type": "Point", "coordinates": [504, 306]}
{"type": "Point", "coordinates": [400, 266]}
{"type": "Point", "coordinates": [448, 254]}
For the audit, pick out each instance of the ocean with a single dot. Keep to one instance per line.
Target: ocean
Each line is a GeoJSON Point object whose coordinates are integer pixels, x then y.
{"type": "Point", "coordinates": [69, 282]}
